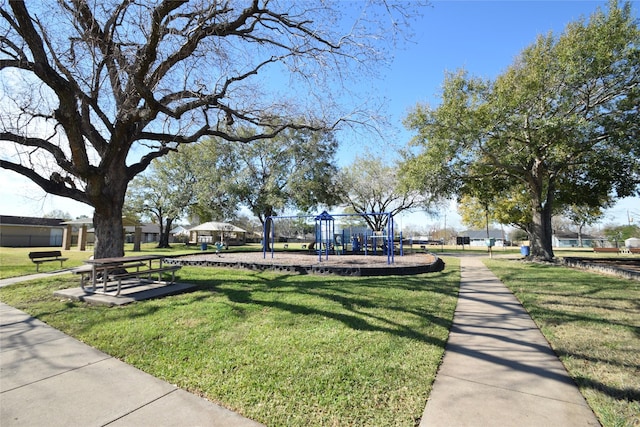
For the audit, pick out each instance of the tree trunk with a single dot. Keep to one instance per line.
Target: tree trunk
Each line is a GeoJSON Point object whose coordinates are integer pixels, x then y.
{"type": "Point", "coordinates": [108, 201]}
{"type": "Point", "coordinates": [266, 238]}
{"type": "Point", "coordinates": [109, 232]}
{"type": "Point", "coordinates": [580, 236]}
{"type": "Point", "coordinates": [164, 233]}
{"type": "Point", "coordinates": [541, 233]}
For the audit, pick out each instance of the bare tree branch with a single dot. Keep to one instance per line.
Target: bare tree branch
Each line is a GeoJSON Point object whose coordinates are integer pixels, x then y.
{"type": "Point", "coordinates": [121, 83]}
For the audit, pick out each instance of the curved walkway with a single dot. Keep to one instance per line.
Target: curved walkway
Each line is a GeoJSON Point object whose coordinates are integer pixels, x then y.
{"type": "Point", "coordinates": [498, 369]}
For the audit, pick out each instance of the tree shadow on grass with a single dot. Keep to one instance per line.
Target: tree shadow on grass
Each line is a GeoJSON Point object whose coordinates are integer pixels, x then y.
{"type": "Point", "coordinates": [629, 394]}
{"type": "Point", "coordinates": [363, 303]}
{"type": "Point", "coordinates": [567, 297]}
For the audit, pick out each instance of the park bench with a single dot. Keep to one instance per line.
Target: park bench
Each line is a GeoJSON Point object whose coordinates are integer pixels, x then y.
{"type": "Point", "coordinates": [606, 250]}
{"type": "Point", "coordinates": [634, 250]}
{"type": "Point", "coordinates": [46, 256]}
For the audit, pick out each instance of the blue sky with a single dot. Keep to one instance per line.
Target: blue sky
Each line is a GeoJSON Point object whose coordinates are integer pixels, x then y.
{"type": "Point", "coordinates": [483, 37]}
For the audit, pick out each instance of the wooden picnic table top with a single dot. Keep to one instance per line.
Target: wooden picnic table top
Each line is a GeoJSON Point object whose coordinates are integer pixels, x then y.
{"type": "Point", "coordinates": [123, 260]}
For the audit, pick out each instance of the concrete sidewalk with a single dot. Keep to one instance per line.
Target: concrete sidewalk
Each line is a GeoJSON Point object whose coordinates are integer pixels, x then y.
{"type": "Point", "coordinates": [18, 279]}
{"type": "Point", "coordinates": [498, 369]}
{"type": "Point", "coordinates": [48, 378]}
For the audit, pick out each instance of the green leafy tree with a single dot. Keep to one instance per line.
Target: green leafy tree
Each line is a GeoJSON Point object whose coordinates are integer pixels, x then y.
{"type": "Point", "coordinates": [511, 207]}
{"type": "Point", "coordinates": [164, 193]}
{"type": "Point", "coordinates": [94, 91]}
{"type": "Point", "coordinates": [583, 216]}
{"type": "Point", "coordinates": [618, 234]}
{"type": "Point", "coordinates": [476, 214]}
{"type": "Point", "coordinates": [212, 165]}
{"type": "Point", "coordinates": [294, 170]}
{"type": "Point", "coordinates": [561, 123]}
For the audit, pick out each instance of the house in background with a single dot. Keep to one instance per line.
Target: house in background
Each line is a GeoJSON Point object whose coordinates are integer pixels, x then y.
{"type": "Point", "coordinates": [479, 237]}
{"type": "Point", "coordinates": [179, 234]}
{"type": "Point", "coordinates": [22, 231]}
{"type": "Point", "coordinates": [571, 240]}
{"type": "Point", "coordinates": [149, 233]}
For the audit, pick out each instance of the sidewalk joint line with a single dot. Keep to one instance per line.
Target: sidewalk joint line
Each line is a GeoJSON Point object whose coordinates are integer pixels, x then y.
{"type": "Point", "coordinates": [514, 390]}
{"type": "Point", "coordinates": [140, 407]}
{"type": "Point", "coordinates": [58, 374]}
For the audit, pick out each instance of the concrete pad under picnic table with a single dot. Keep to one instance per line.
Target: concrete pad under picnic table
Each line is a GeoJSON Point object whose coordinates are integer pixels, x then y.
{"type": "Point", "coordinates": [130, 292]}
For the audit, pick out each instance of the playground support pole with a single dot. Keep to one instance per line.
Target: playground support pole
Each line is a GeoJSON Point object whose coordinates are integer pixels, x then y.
{"type": "Point", "coordinates": [393, 230]}
{"type": "Point", "coordinates": [264, 239]}
{"type": "Point", "coordinates": [389, 238]}
{"type": "Point", "coordinates": [273, 236]}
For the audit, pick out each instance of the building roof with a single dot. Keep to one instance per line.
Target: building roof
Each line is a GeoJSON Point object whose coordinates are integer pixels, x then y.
{"type": "Point", "coordinates": [218, 226]}
{"type": "Point", "coordinates": [179, 230]}
{"type": "Point", "coordinates": [632, 242]}
{"type": "Point", "coordinates": [148, 228]}
{"type": "Point", "coordinates": [30, 221]}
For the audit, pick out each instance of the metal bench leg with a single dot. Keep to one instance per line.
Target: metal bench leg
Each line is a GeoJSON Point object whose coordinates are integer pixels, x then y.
{"type": "Point", "coordinates": [119, 287]}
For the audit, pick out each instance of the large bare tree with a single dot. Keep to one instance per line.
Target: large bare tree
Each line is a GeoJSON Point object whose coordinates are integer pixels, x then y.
{"type": "Point", "coordinates": [93, 91]}
{"type": "Point", "coordinates": [371, 187]}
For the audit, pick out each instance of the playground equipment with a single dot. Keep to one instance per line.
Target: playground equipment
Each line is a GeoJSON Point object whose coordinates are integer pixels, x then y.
{"type": "Point", "coordinates": [328, 241]}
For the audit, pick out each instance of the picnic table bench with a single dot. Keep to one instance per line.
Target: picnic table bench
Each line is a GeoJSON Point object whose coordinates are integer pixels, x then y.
{"type": "Point", "coordinates": [146, 273]}
{"type": "Point", "coordinates": [116, 270]}
{"type": "Point", "coordinates": [86, 271]}
{"type": "Point", "coordinates": [46, 256]}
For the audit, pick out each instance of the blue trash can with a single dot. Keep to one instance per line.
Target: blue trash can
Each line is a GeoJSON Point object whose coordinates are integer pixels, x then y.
{"type": "Point", "coordinates": [203, 246]}
{"type": "Point", "coordinates": [524, 250]}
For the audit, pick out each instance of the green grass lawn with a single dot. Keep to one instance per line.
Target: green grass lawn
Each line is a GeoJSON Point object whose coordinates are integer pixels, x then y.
{"type": "Point", "coordinates": [325, 350]}
{"type": "Point", "coordinates": [15, 261]}
{"type": "Point", "coordinates": [592, 322]}
{"type": "Point", "coordinates": [281, 349]}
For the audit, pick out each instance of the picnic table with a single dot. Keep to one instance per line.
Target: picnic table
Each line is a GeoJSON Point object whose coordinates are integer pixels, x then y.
{"type": "Point", "coordinates": [116, 269]}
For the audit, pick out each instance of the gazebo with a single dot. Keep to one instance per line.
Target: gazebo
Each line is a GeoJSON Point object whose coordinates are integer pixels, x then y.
{"type": "Point", "coordinates": [212, 231]}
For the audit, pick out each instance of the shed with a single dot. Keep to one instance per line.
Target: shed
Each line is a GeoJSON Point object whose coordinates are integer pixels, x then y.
{"type": "Point", "coordinates": [23, 231]}
{"type": "Point", "coordinates": [213, 231]}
